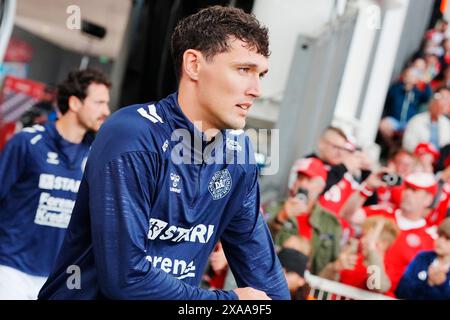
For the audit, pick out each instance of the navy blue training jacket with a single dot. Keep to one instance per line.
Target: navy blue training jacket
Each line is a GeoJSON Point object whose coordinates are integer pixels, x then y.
{"type": "Point", "coordinates": [151, 208]}
{"type": "Point", "coordinates": [40, 173]}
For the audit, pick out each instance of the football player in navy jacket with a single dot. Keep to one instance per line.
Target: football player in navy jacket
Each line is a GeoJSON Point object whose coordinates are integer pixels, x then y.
{"type": "Point", "coordinates": [40, 173]}
{"type": "Point", "coordinates": [157, 196]}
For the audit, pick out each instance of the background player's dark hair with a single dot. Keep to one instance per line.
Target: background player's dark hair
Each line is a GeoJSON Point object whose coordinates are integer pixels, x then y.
{"type": "Point", "coordinates": [76, 84]}
{"type": "Point", "coordinates": [210, 29]}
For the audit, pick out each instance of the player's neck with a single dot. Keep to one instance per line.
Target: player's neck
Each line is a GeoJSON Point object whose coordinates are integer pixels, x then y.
{"type": "Point", "coordinates": [69, 129]}
{"type": "Point", "coordinates": [188, 102]}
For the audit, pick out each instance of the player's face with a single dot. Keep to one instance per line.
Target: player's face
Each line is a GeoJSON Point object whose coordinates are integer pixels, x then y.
{"type": "Point", "coordinates": [95, 108]}
{"type": "Point", "coordinates": [228, 84]}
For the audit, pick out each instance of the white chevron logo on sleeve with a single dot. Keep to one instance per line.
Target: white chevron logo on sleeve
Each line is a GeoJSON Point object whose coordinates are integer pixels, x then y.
{"type": "Point", "coordinates": [150, 114]}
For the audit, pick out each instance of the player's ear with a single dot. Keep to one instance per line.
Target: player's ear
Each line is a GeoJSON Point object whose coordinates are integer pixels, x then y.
{"type": "Point", "coordinates": [74, 103]}
{"type": "Point", "coordinates": [191, 63]}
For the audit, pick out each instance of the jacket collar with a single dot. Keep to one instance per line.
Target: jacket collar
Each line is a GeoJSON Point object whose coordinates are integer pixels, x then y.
{"type": "Point", "coordinates": [178, 120]}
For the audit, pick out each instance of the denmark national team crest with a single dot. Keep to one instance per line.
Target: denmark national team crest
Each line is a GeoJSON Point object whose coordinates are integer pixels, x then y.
{"type": "Point", "coordinates": [220, 184]}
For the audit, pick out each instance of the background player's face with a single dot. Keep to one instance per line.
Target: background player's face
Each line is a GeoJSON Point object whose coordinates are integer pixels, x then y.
{"type": "Point", "coordinates": [94, 109]}
{"type": "Point", "coordinates": [228, 85]}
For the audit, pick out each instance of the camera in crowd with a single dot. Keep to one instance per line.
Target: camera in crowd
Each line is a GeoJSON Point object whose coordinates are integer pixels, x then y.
{"type": "Point", "coordinates": [302, 194]}
{"type": "Point", "coordinates": [391, 179]}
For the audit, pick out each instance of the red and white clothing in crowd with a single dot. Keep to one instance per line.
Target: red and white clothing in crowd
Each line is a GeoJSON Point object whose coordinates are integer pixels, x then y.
{"type": "Point", "coordinates": [356, 277]}
{"type": "Point", "coordinates": [334, 199]}
{"type": "Point", "coordinates": [304, 227]}
{"type": "Point", "coordinates": [415, 236]}
{"type": "Point", "coordinates": [390, 195]}
{"type": "Point", "coordinates": [439, 213]}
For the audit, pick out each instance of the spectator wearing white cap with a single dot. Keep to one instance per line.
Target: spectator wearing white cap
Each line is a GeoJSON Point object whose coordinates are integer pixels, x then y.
{"type": "Point", "coordinates": [431, 126]}
{"type": "Point", "coordinates": [415, 235]}
{"type": "Point", "coordinates": [416, 197]}
{"type": "Point", "coordinates": [428, 275]}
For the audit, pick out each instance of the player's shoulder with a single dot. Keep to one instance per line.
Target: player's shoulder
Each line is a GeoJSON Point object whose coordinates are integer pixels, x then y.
{"type": "Point", "coordinates": [29, 135]}
{"type": "Point", "coordinates": [138, 118]}
{"type": "Point", "coordinates": [135, 128]}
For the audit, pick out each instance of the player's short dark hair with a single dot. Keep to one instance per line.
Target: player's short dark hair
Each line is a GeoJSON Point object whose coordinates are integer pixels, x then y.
{"type": "Point", "coordinates": [210, 30]}
{"type": "Point", "coordinates": [76, 84]}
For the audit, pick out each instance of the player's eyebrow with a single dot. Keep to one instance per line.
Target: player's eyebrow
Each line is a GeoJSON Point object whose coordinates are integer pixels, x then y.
{"type": "Point", "coordinates": [251, 65]}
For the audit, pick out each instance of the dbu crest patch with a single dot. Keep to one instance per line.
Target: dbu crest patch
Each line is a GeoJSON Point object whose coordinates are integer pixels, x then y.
{"type": "Point", "coordinates": [220, 184]}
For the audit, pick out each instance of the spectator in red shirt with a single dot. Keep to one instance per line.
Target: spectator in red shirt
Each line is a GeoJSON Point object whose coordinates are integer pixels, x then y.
{"type": "Point", "coordinates": [373, 191]}
{"type": "Point", "coordinates": [335, 198]}
{"type": "Point", "coordinates": [366, 269]}
{"type": "Point", "coordinates": [415, 235]}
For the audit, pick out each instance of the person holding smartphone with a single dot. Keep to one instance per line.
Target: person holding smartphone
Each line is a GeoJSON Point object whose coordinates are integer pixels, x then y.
{"type": "Point", "coordinates": [301, 214]}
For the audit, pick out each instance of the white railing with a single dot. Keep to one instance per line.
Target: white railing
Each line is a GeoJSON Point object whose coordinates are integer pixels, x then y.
{"type": "Point", "coordinates": [324, 289]}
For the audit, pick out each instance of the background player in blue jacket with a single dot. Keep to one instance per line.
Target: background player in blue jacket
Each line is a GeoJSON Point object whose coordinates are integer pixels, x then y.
{"type": "Point", "coordinates": [428, 275]}
{"type": "Point", "coordinates": [40, 172]}
{"type": "Point", "coordinates": [151, 208]}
